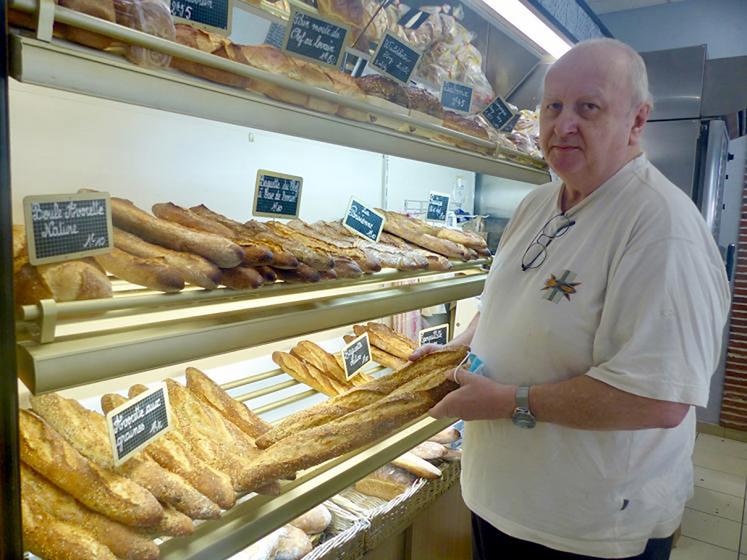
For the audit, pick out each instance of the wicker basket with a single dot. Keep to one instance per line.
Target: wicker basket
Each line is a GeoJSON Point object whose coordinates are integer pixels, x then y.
{"type": "Point", "coordinates": [347, 540]}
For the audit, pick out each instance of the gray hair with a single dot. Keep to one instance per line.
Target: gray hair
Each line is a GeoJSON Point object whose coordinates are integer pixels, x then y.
{"type": "Point", "coordinates": [636, 67]}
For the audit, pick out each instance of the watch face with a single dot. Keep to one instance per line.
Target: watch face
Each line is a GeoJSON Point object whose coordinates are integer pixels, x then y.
{"type": "Point", "coordinates": [523, 418]}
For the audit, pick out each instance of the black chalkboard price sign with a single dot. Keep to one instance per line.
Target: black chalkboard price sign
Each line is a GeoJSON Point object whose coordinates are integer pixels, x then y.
{"type": "Point", "coordinates": [438, 204]}
{"type": "Point", "coordinates": [356, 355]}
{"type": "Point", "coordinates": [315, 38]}
{"type": "Point", "coordinates": [456, 97]}
{"type": "Point", "coordinates": [509, 126]}
{"type": "Point", "coordinates": [396, 58]}
{"type": "Point", "coordinates": [213, 15]}
{"type": "Point", "coordinates": [497, 113]}
{"type": "Point", "coordinates": [137, 422]}
{"type": "Point", "coordinates": [363, 221]}
{"type": "Point", "coordinates": [65, 227]}
{"type": "Point", "coordinates": [277, 195]}
{"type": "Point", "coordinates": [434, 335]}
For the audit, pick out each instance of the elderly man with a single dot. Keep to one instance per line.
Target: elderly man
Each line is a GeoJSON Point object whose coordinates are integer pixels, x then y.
{"type": "Point", "coordinates": [600, 327]}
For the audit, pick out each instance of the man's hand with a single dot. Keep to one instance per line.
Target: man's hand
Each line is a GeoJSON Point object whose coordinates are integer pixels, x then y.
{"type": "Point", "coordinates": [478, 398]}
{"type": "Point", "coordinates": [424, 350]}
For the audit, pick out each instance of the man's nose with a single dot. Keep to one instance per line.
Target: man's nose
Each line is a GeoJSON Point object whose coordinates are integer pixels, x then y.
{"type": "Point", "coordinates": [566, 123]}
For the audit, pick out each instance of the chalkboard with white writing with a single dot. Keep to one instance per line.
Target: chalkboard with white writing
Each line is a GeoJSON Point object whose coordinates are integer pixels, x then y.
{"type": "Point", "coordinates": [498, 113]}
{"type": "Point", "coordinates": [509, 126]}
{"type": "Point", "coordinates": [356, 355]}
{"type": "Point", "coordinates": [65, 227]}
{"type": "Point", "coordinates": [214, 15]}
{"type": "Point", "coordinates": [434, 335]}
{"type": "Point", "coordinates": [438, 204]}
{"type": "Point", "coordinates": [277, 195]}
{"type": "Point", "coordinates": [456, 97]}
{"type": "Point", "coordinates": [363, 221]}
{"type": "Point", "coordinates": [396, 59]}
{"type": "Point", "coordinates": [137, 422]}
{"type": "Point", "coordinates": [315, 38]}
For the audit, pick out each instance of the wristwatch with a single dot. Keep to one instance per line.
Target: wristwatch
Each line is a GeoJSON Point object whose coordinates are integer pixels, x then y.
{"type": "Point", "coordinates": [522, 416]}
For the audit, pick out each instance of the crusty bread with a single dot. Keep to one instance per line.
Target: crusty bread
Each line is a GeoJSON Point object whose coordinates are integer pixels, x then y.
{"type": "Point", "coordinates": [119, 498]}
{"type": "Point", "coordinates": [417, 466]}
{"type": "Point", "coordinates": [293, 243]}
{"type": "Point", "coordinates": [102, 9]}
{"type": "Point", "coordinates": [308, 374]}
{"type": "Point", "coordinates": [268, 274]}
{"type": "Point", "coordinates": [43, 496]}
{"type": "Point", "coordinates": [360, 427]}
{"type": "Point", "coordinates": [386, 482]}
{"type": "Point", "coordinates": [436, 262]}
{"type": "Point", "coordinates": [302, 273]}
{"type": "Point", "coordinates": [294, 544]}
{"type": "Point", "coordinates": [86, 431]}
{"type": "Point", "coordinates": [321, 359]}
{"type": "Point", "coordinates": [172, 452]}
{"type": "Point", "coordinates": [445, 437]}
{"type": "Point", "coordinates": [238, 413]}
{"type": "Point", "coordinates": [387, 339]}
{"type": "Point", "coordinates": [335, 245]}
{"type": "Point", "coordinates": [314, 521]}
{"type": "Point", "coordinates": [223, 252]}
{"type": "Point", "coordinates": [193, 268]}
{"type": "Point", "coordinates": [380, 356]}
{"type": "Point", "coordinates": [153, 273]}
{"type": "Point", "coordinates": [429, 450]}
{"type": "Point", "coordinates": [241, 278]}
{"type": "Point", "coordinates": [399, 225]}
{"type": "Point", "coordinates": [174, 523]}
{"type": "Point", "coordinates": [360, 397]}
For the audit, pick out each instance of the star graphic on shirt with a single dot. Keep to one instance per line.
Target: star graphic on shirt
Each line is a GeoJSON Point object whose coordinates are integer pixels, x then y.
{"type": "Point", "coordinates": [560, 285]}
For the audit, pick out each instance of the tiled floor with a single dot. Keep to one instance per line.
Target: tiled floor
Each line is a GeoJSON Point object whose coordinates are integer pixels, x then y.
{"type": "Point", "coordinates": [713, 527]}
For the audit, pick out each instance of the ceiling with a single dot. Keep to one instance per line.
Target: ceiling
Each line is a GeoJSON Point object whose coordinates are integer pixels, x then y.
{"type": "Point", "coordinates": [607, 6]}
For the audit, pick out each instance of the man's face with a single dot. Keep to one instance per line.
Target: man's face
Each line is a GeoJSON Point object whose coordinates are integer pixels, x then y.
{"type": "Point", "coordinates": [588, 126]}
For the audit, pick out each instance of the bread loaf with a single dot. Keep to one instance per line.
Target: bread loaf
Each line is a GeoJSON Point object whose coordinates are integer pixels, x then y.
{"type": "Point", "coordinates": [294, 544]}
{"type": "Point", "coordinates": [436, 262]}
{"type": "Point", "coordinates": [102, 9]}
{"type": "Point", "coordinates": [399, 225]}
{"type": "Point", "coordinates": [238, 413]}
{"type": "Point", "coordinates": [86, 431]}
{"type": "Point", "coordinates": [302, 273]}
{"type": "Point", "coordinates": [321, 359]}
{"type": "Point", "coordinates": [193, 268]}
{"type": "Point", "coordinates": [360, 427]}
{"type": "Point", "coordinates": [381, 357]}
{"type": "Point", "coordinates": [172, 452]}
{"type": "Point", "coordinates": [293, 243]}
{"type": "Point", "coordinates": [314, 521]}
{"type": "Point", "coordinates": [241, 278]}
{"type": "Point", "coordinates": [386, 482]}
{"type": "Point", "coordinates": [445, 437]}
{"type": "Point", "coordinates": [429, 450]}
{"type": "Point", "coordinates": [45, 498]}
{"type": "Point", "coordinates": [387, 339]}
{"type": "Point", "coordinates": [117, 497]}
{"type": "Point", "coordinates": [336, 246]}
{"type": "Point", "coordinates": [308, 374]}
{"type": "Point", "coordinates": [268, 274]}
{"type": "Point", "coordinates": [360, 397]}
{"type": "Point", "coordinates": [221, 251]}
{"type": "Point", "coordinates": [153, 273]}
{"type": "Point", "coordinates": [417, 466]}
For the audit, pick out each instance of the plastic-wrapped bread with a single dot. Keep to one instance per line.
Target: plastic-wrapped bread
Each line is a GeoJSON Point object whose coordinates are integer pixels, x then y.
{"type": "Point", "coordinates": [387, 339]}
{"type": "Point", "coordinates": [314, 521]}
{"type": "Point", "coordinates": [221, 251]}
{"type": "Point", "coordinates": [149, 16]}
{"type": "Point", "coordinates": [363, 426]}
{"type": "Point", "coordinates": [386, 482]}
{"type": "Point", "coordinates": [193, 268]}
{"type": "Point", "coordinates": [238, 413]}
{"type": "Point", "coordinates": [172, 452]}
{"type": "Point", "coordinates": [44, 497]}
{"type": "Point", "coordinates": [153, 273]}
{"type": "Point", "coordinates": [86, 431]}
{"type": "Point", "coordinates": [360, 397]}
{"type": "Point", "coordinates": [119, 498]}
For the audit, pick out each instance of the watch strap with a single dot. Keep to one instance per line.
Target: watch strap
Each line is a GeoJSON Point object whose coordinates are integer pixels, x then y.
{"type": "Point", "coordinates": [522, 397]}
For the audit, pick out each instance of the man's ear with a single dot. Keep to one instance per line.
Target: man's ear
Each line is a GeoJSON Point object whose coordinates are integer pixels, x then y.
{"type": "Point", "coordinates": [639, 122]}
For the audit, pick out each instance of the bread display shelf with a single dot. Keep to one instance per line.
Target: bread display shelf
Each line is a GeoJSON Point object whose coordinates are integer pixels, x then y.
{"type": "Point", "coordinates": [95, 352]}
{"type": "Point", "coordinates": [62, 65]}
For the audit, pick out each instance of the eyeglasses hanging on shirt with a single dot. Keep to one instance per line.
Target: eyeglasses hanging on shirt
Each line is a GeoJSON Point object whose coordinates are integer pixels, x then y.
{"type": "Point", "coordinates": [536, 253]}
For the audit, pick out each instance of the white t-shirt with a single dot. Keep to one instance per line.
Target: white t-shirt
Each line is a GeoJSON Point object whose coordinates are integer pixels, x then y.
{"type": "Point", "coordinates": [645, 304]}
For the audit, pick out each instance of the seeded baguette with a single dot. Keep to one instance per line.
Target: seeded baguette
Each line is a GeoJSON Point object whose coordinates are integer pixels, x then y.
{"type": "Point", "coordinates": [387, 339]}
{"type": "Point", "coordinates": [308, 374]}
{"type": "Point", "coordinates": [381, 357]}
{"type": "Point", "coordinates": [360, 397]}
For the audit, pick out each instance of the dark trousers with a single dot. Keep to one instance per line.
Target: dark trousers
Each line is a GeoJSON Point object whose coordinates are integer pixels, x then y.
{"type": "Point", "coordinates": [488, 543]}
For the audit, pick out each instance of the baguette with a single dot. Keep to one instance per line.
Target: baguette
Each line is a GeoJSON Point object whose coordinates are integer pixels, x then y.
{"type": "Point", "coordinates": [173, 524]}
{"type": "Point", "coordinates": [399, 225]}
{"type": "Point", "coordinates": [308, 374]}
{"type": "Point", "coordinates": [417, 466]}
{"type": "Point", "coordinates": [310, 447]}
{"type": "Point", "coordinates": [335, 246]}
{"type": "Point", "coordinates": [86, 431]}
{"type": "Point", "coordinates": [241, 278]}
{"type": "Point", "coordinates": [44, 497]}
{"type": "Point", "coordinates": [347, 268]}
{"type": "Point", "coordinates": [386, 482]}
{"type": "Point", "coordinates": [435, 261]}
{"type": "Point", "coordinates": [253, 254]}
{"type": "Point", "coordinates": [387, 339]}
{"type": "Point", "coordinates": [193, 268]}
{"type": "Point", "coordinates": [268, 274]}
{"type": "Point", "coordinates": [50, 455]}
{"type": "Point", "coordinates": [293, 243]}
{"type": "Point", "coordinates": [321, 359]}
{"type": "Point", "coordinates": [239, 414]}
{"type": "Point", "coordinates": [302, 273]}
{"type": "Point", "coordinates": [223, 252]}
{"type": "Point", "coordinates": [52, 539]}
{"type": "Point", "coordinates": [380, 356]}
{"type": "Point", "coordinates": [360, 397]}
{"type": "Point", "coordinates": [172, 452]}
{"type": "Point", "coordinates": [153, 273]}
{"type": "Point", "coordinates": [429, 450]}
{"type": "Point", "coordinates": [445, 437]}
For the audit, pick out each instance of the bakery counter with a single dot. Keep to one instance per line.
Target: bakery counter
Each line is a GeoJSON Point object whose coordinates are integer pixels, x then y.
{"type": "Point", "coordinates": [63, 65]}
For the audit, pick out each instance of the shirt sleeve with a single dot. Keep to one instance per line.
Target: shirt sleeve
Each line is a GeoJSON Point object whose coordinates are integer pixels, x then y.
{"type": "Point", "coordinates": [662, 323]}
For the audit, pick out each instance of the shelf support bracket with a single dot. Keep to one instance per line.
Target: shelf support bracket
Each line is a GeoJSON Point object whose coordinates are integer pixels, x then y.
{"type": "Point", "coordinates": [45, 20]}
{"type": "Point", "coordinates": [48, 320]}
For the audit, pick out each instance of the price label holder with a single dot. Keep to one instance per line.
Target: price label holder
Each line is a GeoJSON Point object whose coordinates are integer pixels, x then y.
{"type": "Point", "coordinates": [314, 38]}
{"type": "Point", "coordinates": [438, 205]}
{"type": "Point", "coordinates": [498, 114]}
{"type": "Point", "coordinates": [356, 63]}
{"type": "Point", "coordinates": [68, 226]}
{"type": "Point", "coordinates": [138, 422]}
{"type": "Point", "coordinates": [396, 59]}
{"type": "Point", "coordinates": [509, 126]}
{"type": "Point", "coordinates": [364, 221]}
{"type": "Point", "coordinates": [456, 97]}
{"type": "Point", "coordinates": [434, 335]}
{"type": "Point", "coordinates": [215, 15]}
{"type": "Point", "coordinates": [356, 355]}
{"type": "Point", "coordinates": [277, 195]}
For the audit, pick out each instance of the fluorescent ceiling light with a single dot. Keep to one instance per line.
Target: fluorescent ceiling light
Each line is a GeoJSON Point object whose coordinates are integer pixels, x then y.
{"type": "Point", "coordinates": [525, 21]}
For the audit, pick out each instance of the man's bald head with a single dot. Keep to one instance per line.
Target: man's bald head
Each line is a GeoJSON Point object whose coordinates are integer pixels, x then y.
{"type": "Point", "coordinates": [623, 57]}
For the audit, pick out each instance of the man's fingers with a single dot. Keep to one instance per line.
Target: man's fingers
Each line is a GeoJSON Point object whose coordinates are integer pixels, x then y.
{"type": "Point", "coordinates": [423, 351]}
{"type": "Point", "coordinates": [443, 407]}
